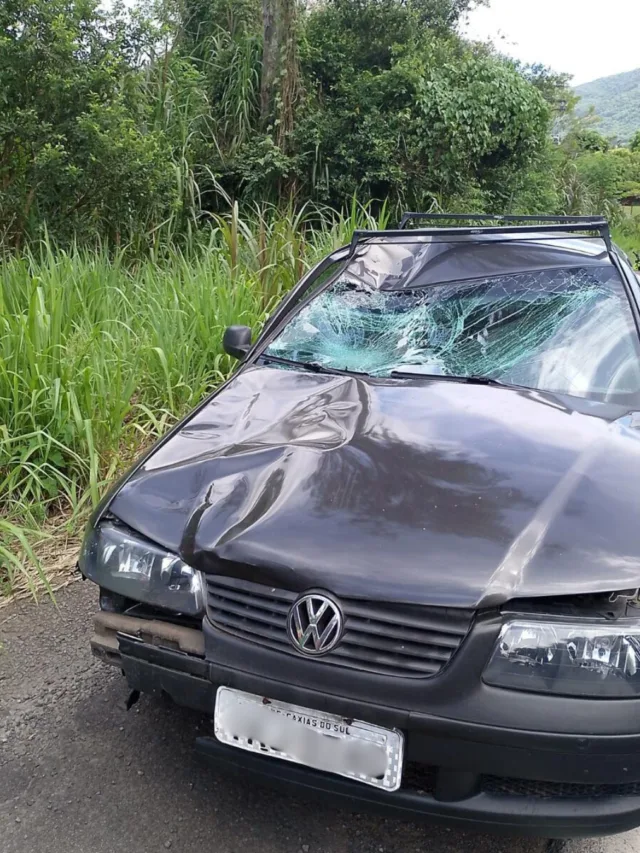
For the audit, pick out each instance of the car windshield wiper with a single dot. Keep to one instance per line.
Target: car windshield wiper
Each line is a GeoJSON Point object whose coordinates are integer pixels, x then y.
{"type": "Point", "coordinates": [465, 380]}
{"type": "Point", "coordinates": [313, 366]}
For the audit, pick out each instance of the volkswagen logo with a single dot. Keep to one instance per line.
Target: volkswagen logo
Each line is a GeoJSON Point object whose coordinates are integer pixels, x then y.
{"type": "Point", "coordinates": [315, 624]}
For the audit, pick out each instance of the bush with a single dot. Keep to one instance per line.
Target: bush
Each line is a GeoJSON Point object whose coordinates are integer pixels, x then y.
{"type": "Point", "coordinates": [78, 155]}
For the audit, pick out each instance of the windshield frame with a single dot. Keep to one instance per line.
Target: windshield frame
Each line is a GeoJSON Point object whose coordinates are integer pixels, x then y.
{"type": "Point", "coordinates": [302, 293]}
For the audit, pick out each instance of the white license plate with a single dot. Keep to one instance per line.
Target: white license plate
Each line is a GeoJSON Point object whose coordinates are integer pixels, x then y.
{"type": "Point", "coordinates": [360, 751]}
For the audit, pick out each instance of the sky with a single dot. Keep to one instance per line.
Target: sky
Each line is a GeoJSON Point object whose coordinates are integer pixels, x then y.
{"type": "Point", "coordinates": [586, 38]}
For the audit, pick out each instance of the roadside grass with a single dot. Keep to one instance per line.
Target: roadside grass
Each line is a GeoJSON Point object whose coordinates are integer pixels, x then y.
{"type": "Point", "coordinates": [626, 234]}
{"type": "Point", "coordinates": [101, 351]}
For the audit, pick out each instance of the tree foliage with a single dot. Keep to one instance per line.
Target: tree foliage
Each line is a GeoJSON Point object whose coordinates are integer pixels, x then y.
{"type": "Point", "coordinates": [76, 153]}
{"type": "Point", "coordinates": [586, 139]}
{"type": "Point", "coordinates": [431, 119]}
{"type": "Point", "coordinates": [117, 126]}
{"type": "Point", "coordinates": [386, 101]}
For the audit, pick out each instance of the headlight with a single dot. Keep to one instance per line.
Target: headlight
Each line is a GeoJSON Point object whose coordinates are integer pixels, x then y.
{"type": "Point", "coordinates": [124, 563]}
{"type": "Point", "coordinates": [568, 659]}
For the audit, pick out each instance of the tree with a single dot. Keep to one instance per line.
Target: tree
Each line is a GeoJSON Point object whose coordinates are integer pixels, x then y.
{"type": "Point", "coordinates": [602, 176]}
{"type": "Point", "coordinates": [555, 88]}
{"type": "Point", "coordinates": [112, 126]}
{"type": "Point", "coordinates": [280, 71]}
{"type": "Point", "coordinates": [585, 139]}
{"type": "Point", "coordinates": [74, 151]}
{"type": "Point", "coordinates": [634, 145]}
{"type": "Point", "coordinates": [270, 57]}
{"type": "Point", "coordinates": [401, 111]}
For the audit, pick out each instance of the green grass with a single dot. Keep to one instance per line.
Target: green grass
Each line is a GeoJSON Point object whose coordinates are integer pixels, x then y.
{"type": "Point", "coordinates": [99, 353]}
{"type": "Point", "coordinates": [629, 240]}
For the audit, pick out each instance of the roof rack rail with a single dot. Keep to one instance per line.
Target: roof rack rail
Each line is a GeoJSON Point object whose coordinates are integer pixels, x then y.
{"type": "Point", "coordinates": [587, 221]}
{"type": "Point", "coordinates": [597, 225]}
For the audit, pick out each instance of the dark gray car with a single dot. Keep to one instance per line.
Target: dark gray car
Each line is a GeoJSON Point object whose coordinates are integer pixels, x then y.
{"type": "Point", "coordinates": [397, 555]}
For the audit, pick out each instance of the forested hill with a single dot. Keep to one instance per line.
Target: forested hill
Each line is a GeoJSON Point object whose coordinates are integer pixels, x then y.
{"type": "Point", "coordinates": [616, 100]}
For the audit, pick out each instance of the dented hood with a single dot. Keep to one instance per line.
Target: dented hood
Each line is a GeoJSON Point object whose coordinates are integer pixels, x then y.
{"type": "Point", "coordinates": [428, 492]}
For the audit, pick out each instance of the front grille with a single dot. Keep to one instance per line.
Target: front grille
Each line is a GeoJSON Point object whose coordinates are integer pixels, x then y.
{"type": "Point", "coordinates": [391, 639]}
{"type": "Point", "coordinates": [503, 786]}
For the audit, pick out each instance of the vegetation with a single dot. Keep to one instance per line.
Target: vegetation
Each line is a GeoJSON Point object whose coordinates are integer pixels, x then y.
{"type": "Point", "coordinates": [616, 100]}
{"type": "Point", "coordinates": [117, 129]}
{"type": "Point", "coordinates": [166, 172]}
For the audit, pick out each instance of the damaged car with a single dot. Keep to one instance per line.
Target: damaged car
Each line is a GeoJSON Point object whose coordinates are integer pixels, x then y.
{"type": "Point", "coordinates": [396, 556]}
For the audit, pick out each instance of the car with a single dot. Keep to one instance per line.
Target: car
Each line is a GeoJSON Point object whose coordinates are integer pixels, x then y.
{"type": "Point", "coordinates": [396, 556]}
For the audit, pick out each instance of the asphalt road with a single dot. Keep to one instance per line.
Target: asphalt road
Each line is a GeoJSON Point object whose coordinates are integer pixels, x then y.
{"type": "Point", "coordinates": [80, 774]}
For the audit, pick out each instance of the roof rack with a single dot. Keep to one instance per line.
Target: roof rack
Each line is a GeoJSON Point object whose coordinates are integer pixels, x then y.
{"type": "Point", "coordinates": [597, 225]}
{"type": "Point", "coordinates": [583, 221]}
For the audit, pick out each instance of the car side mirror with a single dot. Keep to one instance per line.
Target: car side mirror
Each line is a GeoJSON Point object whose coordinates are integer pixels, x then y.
{"type": "Point", "coordinates": [237, 341]}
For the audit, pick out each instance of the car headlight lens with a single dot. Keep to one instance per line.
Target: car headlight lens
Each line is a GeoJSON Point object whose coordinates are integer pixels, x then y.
{"type": "Point", "coordinates": [125, 563]}
{"type": "Point", "coordinates": [568, 659]}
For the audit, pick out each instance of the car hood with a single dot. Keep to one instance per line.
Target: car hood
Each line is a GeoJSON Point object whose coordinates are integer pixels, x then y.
{"type": "Point", "coordinates": [429, 492]}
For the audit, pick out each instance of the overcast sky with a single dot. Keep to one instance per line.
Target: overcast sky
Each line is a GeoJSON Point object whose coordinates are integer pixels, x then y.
{"type": "Point", "coordinates": [586, 38]}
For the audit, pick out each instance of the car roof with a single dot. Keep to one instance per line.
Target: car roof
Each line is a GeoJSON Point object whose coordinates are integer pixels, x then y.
{"type": "Point", "coordinates": [492, 245]}
{"type": "Point", "coordinates": [400, 261]}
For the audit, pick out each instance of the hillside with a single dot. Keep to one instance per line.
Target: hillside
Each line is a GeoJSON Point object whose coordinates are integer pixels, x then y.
{"type": "Point", "coordinates": [616, 100]}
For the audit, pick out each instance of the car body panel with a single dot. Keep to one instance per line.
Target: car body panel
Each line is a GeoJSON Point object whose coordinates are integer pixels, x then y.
{"type": "Point", "coordinates": [429, 492]}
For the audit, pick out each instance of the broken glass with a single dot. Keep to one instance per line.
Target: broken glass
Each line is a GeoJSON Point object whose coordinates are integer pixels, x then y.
{"type": "Point", "coordinates": [566, 330]}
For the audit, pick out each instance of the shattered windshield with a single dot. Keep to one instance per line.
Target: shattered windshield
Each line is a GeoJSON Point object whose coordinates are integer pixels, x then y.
{"type": "Point", "coordinates": [567, 331]}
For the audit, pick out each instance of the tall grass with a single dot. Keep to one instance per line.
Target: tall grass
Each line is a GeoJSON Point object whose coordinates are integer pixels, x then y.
{"type": "Point", "coordinates": [627, 236]}
{"type": "Point", "coordinates": [99, 352]}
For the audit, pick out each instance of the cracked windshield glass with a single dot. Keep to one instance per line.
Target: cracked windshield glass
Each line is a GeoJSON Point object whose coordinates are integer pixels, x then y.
{"type": "Point", "coordinates": [568, 331]}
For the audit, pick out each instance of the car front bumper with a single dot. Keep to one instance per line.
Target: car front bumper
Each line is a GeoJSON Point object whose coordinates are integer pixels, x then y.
{"type": "Point", "coordinates": [493, 778]}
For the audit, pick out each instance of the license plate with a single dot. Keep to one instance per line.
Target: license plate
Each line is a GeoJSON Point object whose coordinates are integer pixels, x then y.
{"type": "Point", "coordinates": [361, 751]}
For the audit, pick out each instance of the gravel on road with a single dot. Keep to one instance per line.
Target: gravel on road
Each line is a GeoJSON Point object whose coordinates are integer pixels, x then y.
{"type": "Point", "coordinates": [81, 774]}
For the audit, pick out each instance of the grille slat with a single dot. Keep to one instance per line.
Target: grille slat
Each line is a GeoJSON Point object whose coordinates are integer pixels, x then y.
{"type": "Point", "coordinates": [223, 607]}
{"type": "Point", "coordinates": [259, 603]}
{"type": "Point", "coordinates": [411, 635]}
{"type": "Point", "coordinates": [283, 645]}
{"type": "Point", "coordinates": [422, 779]}
{"type": "Point", "coordinates": [398, 647]}
{"type": "Point", "coordinates": [259, 629]}
{"type": "Point", "coordinates": [390, 661]}
{"type": "Point", "coordinates": [381, 637]}
{"type": "Point", "coordinates": [445, 620]}
{"type": "Point", "coordinates": [231, 587]}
